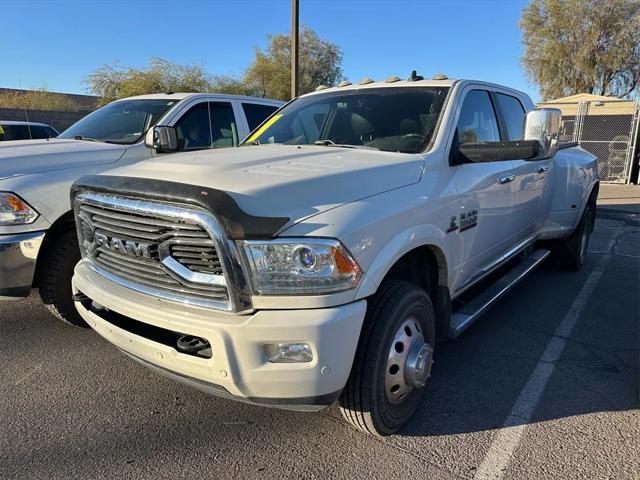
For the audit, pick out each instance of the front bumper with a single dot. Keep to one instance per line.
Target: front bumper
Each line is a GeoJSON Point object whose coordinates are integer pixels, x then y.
{"type": "Point", "coordinates": [237, 368]}
{"type": "Point", "coordinates": [18, 256]}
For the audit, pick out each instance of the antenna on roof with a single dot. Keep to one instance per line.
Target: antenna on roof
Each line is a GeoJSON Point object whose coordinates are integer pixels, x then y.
{"type": "Point", "coordinates": [414, 77]}
{"type": "Point", "coordinates": [26, 115]}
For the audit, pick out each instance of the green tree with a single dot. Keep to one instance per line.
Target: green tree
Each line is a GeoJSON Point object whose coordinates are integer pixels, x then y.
{"type": "Point", "coordinates": [576, 46]}
{"type": "Point", "coordinates": [114, 81]}
{"type": "Point", "coordinates": [230, 85]}
{"type": "Point", "coordinates": [270, 73]}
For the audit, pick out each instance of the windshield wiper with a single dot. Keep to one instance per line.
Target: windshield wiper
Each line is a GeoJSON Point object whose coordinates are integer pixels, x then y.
{"type": "Point", "coordinates": [88, 139]}
{"type": "Point", "coordinates": [331, 143]}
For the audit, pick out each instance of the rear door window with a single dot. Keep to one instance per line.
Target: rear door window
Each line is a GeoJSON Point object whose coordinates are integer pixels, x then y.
{"type": "Point", "coordinates": [40, 131]}
{"type": "Point", "coordinates": [257, 113]}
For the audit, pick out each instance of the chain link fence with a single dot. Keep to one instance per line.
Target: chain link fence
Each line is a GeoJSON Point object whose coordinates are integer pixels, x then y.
{"type": "Point", "coordinates": [608, 129]}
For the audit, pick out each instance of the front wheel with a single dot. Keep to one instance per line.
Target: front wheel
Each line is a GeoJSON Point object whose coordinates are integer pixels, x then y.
{"type": "Point", "coordinates": [55, 284]}
{"type": "Point", "coordinates": [393, 360]}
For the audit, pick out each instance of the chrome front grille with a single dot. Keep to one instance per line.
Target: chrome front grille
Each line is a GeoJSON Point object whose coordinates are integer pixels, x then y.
{"type": "Point", "coordinates": [160, 249]}
{"type": "Point", "coordinates": [198, 258]}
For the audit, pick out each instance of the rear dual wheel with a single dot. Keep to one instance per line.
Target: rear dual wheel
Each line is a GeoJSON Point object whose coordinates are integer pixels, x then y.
{"type": "Point", "coordinates": [571, 252]}
{"type": "Point", "coordinates": [393, 360]}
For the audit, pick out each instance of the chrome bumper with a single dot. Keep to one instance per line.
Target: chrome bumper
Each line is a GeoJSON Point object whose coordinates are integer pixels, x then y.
{"type": "Point", "coordinates": [18, 256]}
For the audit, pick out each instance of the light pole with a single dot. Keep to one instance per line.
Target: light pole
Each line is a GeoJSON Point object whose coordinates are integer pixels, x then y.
{"type": "Point", "coordinates": [295, 24]}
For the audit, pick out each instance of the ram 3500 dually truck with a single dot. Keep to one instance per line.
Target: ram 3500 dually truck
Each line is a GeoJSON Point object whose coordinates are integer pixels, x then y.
{"type": "Point", "coordinates": [38, 243]}
{"type": "Point", "coordinates": [322, 260]}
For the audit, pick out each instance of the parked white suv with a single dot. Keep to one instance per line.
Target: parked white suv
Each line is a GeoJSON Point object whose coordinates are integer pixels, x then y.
{"type": "Point", "coordinates": [38, 243]}
{"type": "Point", "coordinates": [322, 260]}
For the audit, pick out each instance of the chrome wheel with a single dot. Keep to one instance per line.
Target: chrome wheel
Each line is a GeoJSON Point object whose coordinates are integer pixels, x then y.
{"type": "Point", "coordinates": [408, 362]}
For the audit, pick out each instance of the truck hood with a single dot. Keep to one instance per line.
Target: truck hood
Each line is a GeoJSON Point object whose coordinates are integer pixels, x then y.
{"type": "Point", "coordinates": [285, 180]}
{"type": "Point", "coordinates": [22, 157]}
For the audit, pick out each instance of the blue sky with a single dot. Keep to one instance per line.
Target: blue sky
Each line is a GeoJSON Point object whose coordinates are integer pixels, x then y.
{"type": "Point", "coordinates": [56, 43]}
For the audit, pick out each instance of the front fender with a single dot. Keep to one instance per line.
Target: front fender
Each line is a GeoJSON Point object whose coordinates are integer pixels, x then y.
{"type": "Point", "coordinates": [408, 240]}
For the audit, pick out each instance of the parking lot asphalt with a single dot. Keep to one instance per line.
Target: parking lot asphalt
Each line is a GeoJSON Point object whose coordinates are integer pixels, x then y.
{"type": "Point", "coordinates": [545, 385]}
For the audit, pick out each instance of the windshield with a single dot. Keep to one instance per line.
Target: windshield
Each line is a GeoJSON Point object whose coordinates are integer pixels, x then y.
{"type": "Point", "coordinates": [393, 119]}
{"type": "Point", "coordinates": [124, 122]}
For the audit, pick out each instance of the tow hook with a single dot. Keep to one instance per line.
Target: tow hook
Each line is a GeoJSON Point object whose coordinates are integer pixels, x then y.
{"type": "Point", "coordinates": [192, 345]}
{"type": "Point", "coordinates": [79, 297]}
{"type": "Point", "coordinates": [82, 299]}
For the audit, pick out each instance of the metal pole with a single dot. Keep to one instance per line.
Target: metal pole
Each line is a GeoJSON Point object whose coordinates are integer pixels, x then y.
{"type": "Point", "coordinates": [294, 47]}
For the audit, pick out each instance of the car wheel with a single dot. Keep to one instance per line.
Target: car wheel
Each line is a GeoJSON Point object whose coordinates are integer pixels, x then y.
{"type": "Point", "coordinates": [393, 359]}
{"type": "Point", "coordinates": [571, 253]}
{"type": "Point", "coordinates": [55, 285]}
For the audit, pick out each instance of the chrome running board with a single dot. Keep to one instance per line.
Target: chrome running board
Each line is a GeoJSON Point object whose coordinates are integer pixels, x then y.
{"type": "Point", "coordinates": [472, 310]}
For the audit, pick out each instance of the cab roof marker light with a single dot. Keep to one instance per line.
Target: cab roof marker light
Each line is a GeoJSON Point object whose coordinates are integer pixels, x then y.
{"type": "Point", "coordinates": [440, 76]}
{"type": "Point", "coordinates": [392, 79]}
{"type": "Point", "coordinates": [344, 83]}
{"type": "Point", "coordinates": [321, 87]}
{"type": "Point", "coordinates": [365, 81]}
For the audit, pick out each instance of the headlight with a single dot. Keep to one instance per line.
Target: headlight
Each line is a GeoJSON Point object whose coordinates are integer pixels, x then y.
{"type": "Point", "coordinates": [300, 266]}
{"type": "Point", "coordinates": [15, 211]}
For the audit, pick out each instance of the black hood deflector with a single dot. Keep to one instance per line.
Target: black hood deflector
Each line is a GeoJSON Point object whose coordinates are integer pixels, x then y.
{"type": "Point", "coordinates": [238, 224]}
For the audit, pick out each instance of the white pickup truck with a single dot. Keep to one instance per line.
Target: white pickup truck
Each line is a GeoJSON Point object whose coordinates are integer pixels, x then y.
{"type": "Point", "coordinates": [324, 258]}
{"type": "Point", "coordinates": [38, 246]}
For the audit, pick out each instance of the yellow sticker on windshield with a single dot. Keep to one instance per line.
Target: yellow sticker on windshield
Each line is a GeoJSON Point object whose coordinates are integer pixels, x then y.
{"type": "Point", "coordinates": [1, 130]}
{"type": "Point", "coordinates": [263, 128]}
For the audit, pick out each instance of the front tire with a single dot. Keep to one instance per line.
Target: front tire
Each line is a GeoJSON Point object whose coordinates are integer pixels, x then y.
{"type": "Point", "coordinates": [55, 285]}
{"type": "Point", "coordinates": [393, 360]}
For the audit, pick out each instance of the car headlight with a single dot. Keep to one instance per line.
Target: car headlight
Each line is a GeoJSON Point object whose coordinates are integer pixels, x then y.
{"type": "Point", "coordinates": [15, 211]}
{"type": "Point", "coordinates": [300, 266]}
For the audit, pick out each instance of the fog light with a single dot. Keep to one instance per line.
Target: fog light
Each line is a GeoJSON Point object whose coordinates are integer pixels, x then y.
{"type": "Point", "coordinates": [288, 352]}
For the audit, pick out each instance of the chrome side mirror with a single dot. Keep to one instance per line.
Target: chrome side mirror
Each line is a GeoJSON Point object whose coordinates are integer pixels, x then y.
{"type": "Point", "coordinates": [543, 126]}
{"type": "Point", "coordinates": [163, 139]}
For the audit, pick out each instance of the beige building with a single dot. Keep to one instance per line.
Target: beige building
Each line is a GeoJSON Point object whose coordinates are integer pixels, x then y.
{"type": "Point", "coordinates": [608, 127]}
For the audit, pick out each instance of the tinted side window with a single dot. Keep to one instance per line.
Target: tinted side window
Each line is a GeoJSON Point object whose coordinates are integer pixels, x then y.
{"type": "Point", "coordinates": [257, 113]}
{"type": "Point", "coordinates": [16, 132]}
{"type": "Point", "coordinates": [513, 114]}
{"type": "Point", "coordinates": [477, 121]}
{"type": "Point", "coordinates": [38, 131]}
{"type": "Point", "coordinates": [223, 125]}
{"type": "Point", "coordinates": [196, 130]}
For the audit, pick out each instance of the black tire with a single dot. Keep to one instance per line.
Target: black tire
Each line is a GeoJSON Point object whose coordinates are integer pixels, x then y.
{"type": "Point", "coordinates": [364, 402]}
{"type": "Point", "coordinates": [55, 281]}
{"type": "Point", "coordinates": [571, 252]}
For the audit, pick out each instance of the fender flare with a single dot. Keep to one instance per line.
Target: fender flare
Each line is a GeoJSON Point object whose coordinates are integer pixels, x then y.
{"type": "Point", "coordinates": [419, 236]}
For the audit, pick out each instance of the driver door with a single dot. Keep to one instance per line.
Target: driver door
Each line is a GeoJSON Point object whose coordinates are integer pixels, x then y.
{"type": "Point", "coordinates": [485, 227]}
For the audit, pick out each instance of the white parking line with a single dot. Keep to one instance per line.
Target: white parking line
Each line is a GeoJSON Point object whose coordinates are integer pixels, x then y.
{"type": "Point", "coordinates": [501, 450]}
{"type": "Point", "coordinates": [29, 374]}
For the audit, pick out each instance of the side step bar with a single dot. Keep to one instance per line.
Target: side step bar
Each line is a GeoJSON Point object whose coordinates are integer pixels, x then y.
{"type": "Point", "coordinates": [474, 309]}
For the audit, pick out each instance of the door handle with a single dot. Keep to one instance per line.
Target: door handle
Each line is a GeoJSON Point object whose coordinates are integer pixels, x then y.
{"type": "Point", "coordinates": [506, 179]}
{"type": "Point", "coordinates": [543, 169]}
